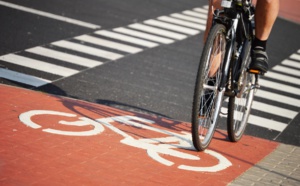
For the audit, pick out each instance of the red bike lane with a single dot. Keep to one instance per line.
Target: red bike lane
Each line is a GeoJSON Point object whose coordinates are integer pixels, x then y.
{"type": "Point", "coordinates": [52, 140]}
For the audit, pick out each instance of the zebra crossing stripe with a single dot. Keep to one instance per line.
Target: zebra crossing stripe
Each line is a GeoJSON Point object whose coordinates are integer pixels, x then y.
{"type": "Point", "coordinates": [181, 22]}
{"type": "Point", "coordinates": [125, 38]}
{"type": "Point", "coordinates": [277, 97]}
{"type": "Point", "coordinates": [290, 71]}
{"type": "Point", "coordinates": [283, 78]}
{"type": "Point", "coordinates": [195, 14]}
{"type": "Point", "coordinates": [189, 18]}
{"type": "Point", "coordinates": [158, 31]}
{"type": "Point", "coordinates": [267, 123]}
{"type": "Point", "coordinates": [144, 35]}
{"type": "Point", "coordinates": [23, 78]}
{"type": "Point", "coordinates": [109, 44]}
{"type": "Point", "coordinates": [259, 121]}
{"type": "Point", "coordinates": [38, 65]}
{"type": "Point", "coordinates": [271, 109]}
{"type": "Point", "coordinates": [291, 63]}
{"type": "Point", "coordinates": [88, 50]}
{"type": "Point", "coordinates": [295, 57]}
{"type": "Point", "coordinates": [64, 57]}
{"type": "Point", "coordinates": [173, 27]}
{"type": "Point", "coordinates": [201, 10]}
{"type": "Point", "coordinates": [283, 88]}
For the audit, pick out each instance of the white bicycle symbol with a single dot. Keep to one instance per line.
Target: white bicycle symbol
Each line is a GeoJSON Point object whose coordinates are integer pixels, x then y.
{"type": "Point", "coordinates": [155, 147]}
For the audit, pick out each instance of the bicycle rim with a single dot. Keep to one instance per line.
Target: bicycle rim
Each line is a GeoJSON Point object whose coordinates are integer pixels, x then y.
{"type": "Point", "coordinates": [239, 108]}
{"type": "Point", "coordinates": [207, 98]}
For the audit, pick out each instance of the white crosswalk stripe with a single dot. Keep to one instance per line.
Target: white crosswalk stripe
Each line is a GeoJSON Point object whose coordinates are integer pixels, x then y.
{"type": "Point", "coordinates": [172, 27]}
{"type": "Point", "coordinates": [144, 35]}
{"type": "Point", "coordinates": [38, 65]}
{"type": "Point", "coordinates": [64, 56]}
{"type": "Point", "coordinates": [158, 31]}
{"type": "Point", "coordinates": [109, 44]}
{"type": "Point", "coordinates": [87, 50]}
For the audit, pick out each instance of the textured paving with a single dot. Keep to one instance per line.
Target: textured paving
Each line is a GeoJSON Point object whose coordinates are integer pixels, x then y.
{"type": "Point", "coordinates": [281, 167]}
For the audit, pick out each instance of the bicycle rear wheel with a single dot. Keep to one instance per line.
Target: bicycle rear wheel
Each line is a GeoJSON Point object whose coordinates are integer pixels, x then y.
{"type": "Point", "coordinates": [207, 99]}
{"type": "Point", "coordinates": [239, 106]}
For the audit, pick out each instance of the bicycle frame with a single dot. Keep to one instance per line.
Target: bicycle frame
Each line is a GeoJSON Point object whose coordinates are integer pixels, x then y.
{"type": "Point", "coordinates": [233, 19]}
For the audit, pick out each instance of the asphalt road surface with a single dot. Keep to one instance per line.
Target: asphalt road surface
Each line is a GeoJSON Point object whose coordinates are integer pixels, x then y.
{"type": "Point", "coordinates": [140, 56]}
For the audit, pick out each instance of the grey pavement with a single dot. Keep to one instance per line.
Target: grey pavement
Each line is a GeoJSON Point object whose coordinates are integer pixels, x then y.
{"type": "Point", "coordinates": [281, 167]}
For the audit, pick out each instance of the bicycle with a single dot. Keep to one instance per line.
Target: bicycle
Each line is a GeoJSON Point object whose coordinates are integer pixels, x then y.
{"type": "Point", "coordinates": [223, 72]}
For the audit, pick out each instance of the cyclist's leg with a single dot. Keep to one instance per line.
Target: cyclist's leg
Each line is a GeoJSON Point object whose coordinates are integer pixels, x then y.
{"type": "Point", "coordinates": [265, 16]}
{"type": "Point", "coordinates": [213, 5]}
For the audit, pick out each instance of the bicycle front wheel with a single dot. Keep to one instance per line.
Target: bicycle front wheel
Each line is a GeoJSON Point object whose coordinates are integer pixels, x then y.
{"type": "Point", "coordinates": [207, 99]}
{"type": "Point", "coordinates": [239, 106]}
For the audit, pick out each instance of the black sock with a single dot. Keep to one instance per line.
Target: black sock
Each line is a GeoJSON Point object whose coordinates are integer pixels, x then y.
{"type": "Point", "coordinates": [259, 44]}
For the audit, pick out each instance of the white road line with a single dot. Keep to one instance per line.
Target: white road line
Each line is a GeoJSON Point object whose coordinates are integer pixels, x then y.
{"type": "Point", "coordinates": [109, 44]}
{"type": "Point", "coordinates": [189, 18]}
{"type": "Point", "coordinates": [23, 78]}
{"type": "Point", "coordinates": [181, 22]}
{"type": "Point", "coordinates": [173, 27]}
{"type": "Point", "coordinates": [64, 57]}
{"type": "Point", "coordinates": [279, 86]}
{"type": "Point", "coordinates": [283, 78]}
{"type": "Point", "coordinates": [144, 35]}
{"type": "Point", "coordinates": [195, 14]}
{"type": "Point", "coordinates": [49, 15]}
{"type": "Point", "coordinates": [271, 109]}
{"type": "Point", "coordinates": [128, 39]}
{"type": "Point", "coordinates": [87, 49]}
{"type": "Point", "coordinates": [261, 122]}
{"type": "Point", "coordinates": [291, 63]}
{"type": "Point", "coordinates": [38, 65]}
{"type": "Point", "coordinates": [201, 10]}
{"type": "Point", "coordinates": [295, 57]}
{"type": "Point", "coordinates": [278, 98]}
{"type": "Point", "coordinates": [267, 123]}
{"type": "Point", "coordinates": [158, 31]}
{"type": "Point", "coordinates": [287, 70]}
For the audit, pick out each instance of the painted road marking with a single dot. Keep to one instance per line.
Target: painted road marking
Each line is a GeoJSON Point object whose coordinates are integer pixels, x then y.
{"type": "Point", "coordinates": [128, 39]}
{"type": "Point", "coordinates": [271, 109]}
{"type": "Point", "coordinates": [144, 35]}
{"type": "Point", "coordinates": [279, 86]}
{"type": "Point", "coordinates": [189, 18]}
{"type": "Point", "coordinates": [159, 143]}
{"type": "Point", "coordinates": [38, 65]}
{"type": "Point", "coordinates": [292, 63]}
{"type": "Point", "coordinates": [290, 71]}
{"type": "Point", "coordinates": [151, 37]}
{"type": "Point", "coordinates": [49, 15]}
{"type": "Point", "coordinates": [87, 49]}
{"type": "Point", "coordinates": [158, 31]}
{"type": "Point", "coordinates": [173, 27]}
{"type": "Point", "coordinates": [109, 44]}
{"type": "Point", "coordinates": [153, 146]}
{"type": "Point", "coordinates": [195, 14]}
{"type": "Point", "coordinates": [64, 57]}
{"type": "Point", "coordinates": [23, 78]}
{"type": "Point", "coordinates": [282, 77]}
{"type": "Point", "coordinates": [181, 22]}
{"type": "Point", "coordinates": [278, 98]}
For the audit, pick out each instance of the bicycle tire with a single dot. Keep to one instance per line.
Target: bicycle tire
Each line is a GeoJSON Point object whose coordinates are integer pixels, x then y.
{"type": "Point", "coordinates": [239, 106]}
{"type": "Point", "coordinates": [206, 102]}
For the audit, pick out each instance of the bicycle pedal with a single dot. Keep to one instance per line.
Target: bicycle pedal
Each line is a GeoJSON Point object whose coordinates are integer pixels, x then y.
{"type": "Point", "coordinates": [253, 71]}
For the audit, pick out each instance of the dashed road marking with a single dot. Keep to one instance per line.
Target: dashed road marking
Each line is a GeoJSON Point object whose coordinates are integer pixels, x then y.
{"type": "Point", "coordinates": [49, 15]}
